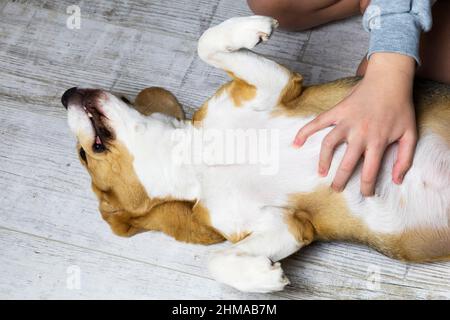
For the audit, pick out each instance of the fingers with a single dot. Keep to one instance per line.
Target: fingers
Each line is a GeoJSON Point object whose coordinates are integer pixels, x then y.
{"type": "Point", "coordinates": [329, 144]}
{"type": "Point", "coordinates": [322, 121]}
{"type": "Point", "coordinates": [372, 161]}
{"type": "Point", "coordinates": [347, 166]}
{"type": "Point", "coordinates": [405, 154]}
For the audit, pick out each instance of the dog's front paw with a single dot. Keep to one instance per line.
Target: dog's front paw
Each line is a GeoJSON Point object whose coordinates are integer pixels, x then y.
{"type": "Point", "coordinates": [248, 273]}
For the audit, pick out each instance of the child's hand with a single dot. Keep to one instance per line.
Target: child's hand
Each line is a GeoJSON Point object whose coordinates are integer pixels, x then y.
{"type": "Point", "coordinates": [376, 113]}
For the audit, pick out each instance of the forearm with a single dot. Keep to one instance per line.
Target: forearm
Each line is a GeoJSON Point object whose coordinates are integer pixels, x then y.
{"type": "Point", "coordinates": [392, 64]}
{"type": "Point", "coordinates": [395, 26]}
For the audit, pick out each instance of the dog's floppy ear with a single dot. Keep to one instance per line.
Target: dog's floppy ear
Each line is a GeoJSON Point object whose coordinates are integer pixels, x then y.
{"type": "Point", "coordinates": [155, 99]}
{"type": "Point", "coordinates": [182, 220]}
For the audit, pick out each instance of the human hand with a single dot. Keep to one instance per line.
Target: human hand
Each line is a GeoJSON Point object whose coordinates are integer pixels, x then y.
{"type": "Point", "coordinates": [377, 112]}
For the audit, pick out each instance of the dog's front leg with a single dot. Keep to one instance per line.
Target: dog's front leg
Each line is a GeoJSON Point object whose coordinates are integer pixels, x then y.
{"type": "Point", "coordinates": [223, 47]}
{"type": "Point", "coordinates": [250, 265]}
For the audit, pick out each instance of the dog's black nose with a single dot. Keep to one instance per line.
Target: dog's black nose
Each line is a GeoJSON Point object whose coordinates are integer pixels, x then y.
{"type": "Point", "coordinates": [66, 96]}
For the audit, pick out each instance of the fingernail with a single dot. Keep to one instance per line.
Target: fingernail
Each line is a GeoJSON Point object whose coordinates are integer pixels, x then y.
{"type": "Point", "coordinates": [336, 188]}
{"type": "Point", "coordinates": [368, 194]}
{"type": "Point", "coordinates": [400, 178]}
{"type": "Point", "coordinates": [297, 143]}
{"type": "Point", "coordinates": [322, 172]}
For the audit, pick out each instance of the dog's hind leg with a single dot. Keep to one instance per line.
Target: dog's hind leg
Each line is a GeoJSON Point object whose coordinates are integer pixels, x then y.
{"type": "Point", "coordinates": [255, 77]}
{"type": "Point", "coordinates": [250, 265]}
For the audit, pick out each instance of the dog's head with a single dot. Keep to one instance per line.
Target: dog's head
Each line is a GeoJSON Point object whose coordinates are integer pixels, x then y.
{"type": "Point", "coordinates": [101, 123]}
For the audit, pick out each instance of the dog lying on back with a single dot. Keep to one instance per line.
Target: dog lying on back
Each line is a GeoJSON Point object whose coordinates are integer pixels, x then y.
{"type": "Point", "coordinates": [145, 170]}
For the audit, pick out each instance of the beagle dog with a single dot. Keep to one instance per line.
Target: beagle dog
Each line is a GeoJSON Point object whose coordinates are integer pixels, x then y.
{"type": "Point", "coordinates": [231, 173]}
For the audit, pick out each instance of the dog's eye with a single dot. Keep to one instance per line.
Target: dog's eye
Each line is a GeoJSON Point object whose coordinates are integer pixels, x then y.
{"type": "Point", "coordinates": [83, 155]}
{"type": "Point", "coordinates": [99, 147]}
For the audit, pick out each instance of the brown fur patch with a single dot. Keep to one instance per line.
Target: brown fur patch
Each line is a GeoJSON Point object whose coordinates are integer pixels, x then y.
{"type": "Point", "coordinates": [239, 90]}
{"type": "Point", "coordinates": [154, 99]}
{"type": "Point", "coordinates": [327, 212]}
{"type": "Point", "coordinates": [181, 220]}
{"type": "Point", "coordinates": [236, 237]}
{"type": "Point", "coordinates": [323, 215]}
{"type": "Point", "coordinates": [313, 99]}
{"type": "Point", "coordinates": [292, 90]}
{"type": "Point", "coordinates": [420, 245]}
{"type": "Point", "coordinates": [125, 205]}
{"type": "Point", "coordinates": [432, 101]}
{"type": "Point", "coordinates": [300, 226]}
{"type": "Point", "coordinates": [121, 195]}
{"type": "Point", "coordinates": [200, 114]}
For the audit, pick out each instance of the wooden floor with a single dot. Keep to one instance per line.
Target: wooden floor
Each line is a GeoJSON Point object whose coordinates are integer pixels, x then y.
{"type": "Point", "coordinates": [53, 243]}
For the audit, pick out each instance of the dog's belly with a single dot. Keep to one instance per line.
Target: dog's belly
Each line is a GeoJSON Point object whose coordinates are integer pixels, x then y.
{"type": "Point", "coordinates": [421, 201]}
{"type": "Point", "coordinates": [236, 193]}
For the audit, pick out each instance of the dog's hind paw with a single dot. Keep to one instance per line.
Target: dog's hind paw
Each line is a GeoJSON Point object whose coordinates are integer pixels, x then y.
{"type": "Point", "coordinates": [236, 33]}
{"type": "Point", "coordinates": [247, 32]}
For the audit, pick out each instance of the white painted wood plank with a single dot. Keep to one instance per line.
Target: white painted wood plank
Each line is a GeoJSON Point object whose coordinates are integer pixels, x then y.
{"type": "Point", "coordinates": [36, 268]}
{"type": "Point", "coordinates": [339, 45]}
{"type": "Point", "coordinates": [347, 271]}
{"type": "Point", "coordinates": [39, 55]}
{"type": "Point", "coordinates": [2, 5]}
{"type": "Point", "coordinates": [182, 18]}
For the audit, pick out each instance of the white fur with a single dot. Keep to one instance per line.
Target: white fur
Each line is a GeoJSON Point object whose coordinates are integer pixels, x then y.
{"type": "Point", "coordinates": [79, 122]}
{"type": "Point", "coordinates": [247, 272]}
{"type": "Point", "coordinates": [241, 199]}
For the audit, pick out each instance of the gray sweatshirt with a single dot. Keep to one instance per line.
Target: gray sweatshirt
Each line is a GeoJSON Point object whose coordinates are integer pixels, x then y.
{"type": "Point", "coordinates": [396, 25]}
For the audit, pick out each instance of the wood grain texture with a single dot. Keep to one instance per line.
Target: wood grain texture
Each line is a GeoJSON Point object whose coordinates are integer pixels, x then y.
{"type": "Point", "coordinates": [49, 265]}
{"type": "Point", "coordinates": [181, 18]}
{"type": "Point", "coordinates": [339, 45]}
{"type": "Point", "coordinates": [40, 55]}
{"type": "Point", "coordinates": [49, 217]}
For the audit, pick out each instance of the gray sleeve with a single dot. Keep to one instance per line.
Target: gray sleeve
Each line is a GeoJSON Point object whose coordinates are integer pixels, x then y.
{"type": "Point", "coordinates": [396, 25]}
